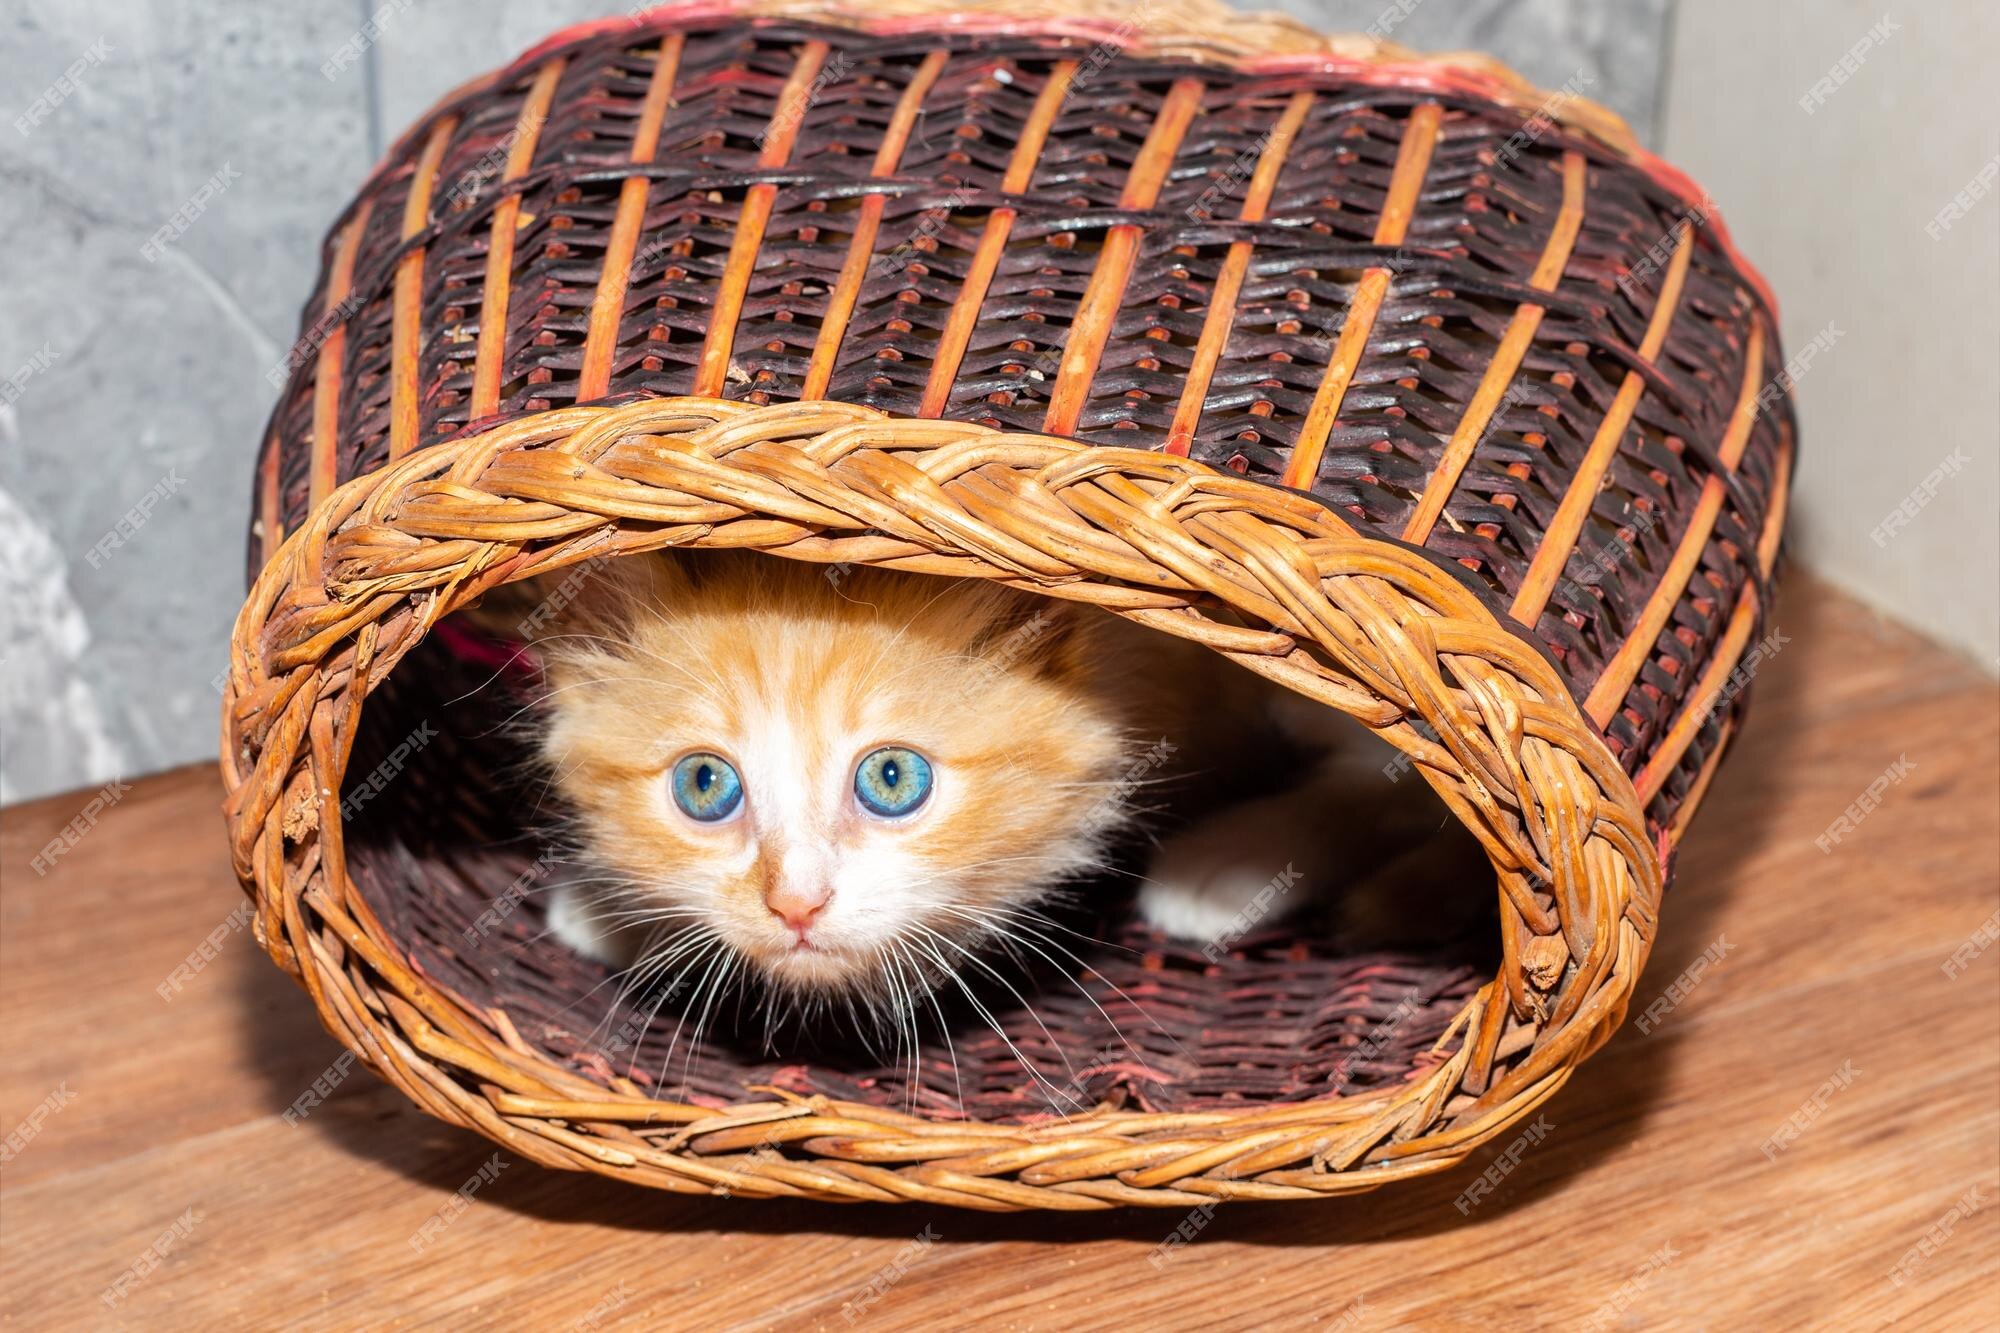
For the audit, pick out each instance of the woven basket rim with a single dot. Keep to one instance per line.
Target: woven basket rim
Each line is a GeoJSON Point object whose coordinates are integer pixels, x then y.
{"type": "Point", "coordinates": [391, 552]}
{"type": "Point", "coordinates": [1199, 31]}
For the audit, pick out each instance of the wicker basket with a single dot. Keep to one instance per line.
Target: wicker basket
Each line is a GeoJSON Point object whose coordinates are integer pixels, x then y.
{"type": "Point", "coordinates": [1458, 400]}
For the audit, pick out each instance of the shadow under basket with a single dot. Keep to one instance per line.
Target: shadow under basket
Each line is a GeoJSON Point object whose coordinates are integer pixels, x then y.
{"type": "Point", "coordinates": [1410, 388]}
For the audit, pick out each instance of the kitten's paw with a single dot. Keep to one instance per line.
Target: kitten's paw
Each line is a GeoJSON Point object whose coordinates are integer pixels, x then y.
{"type": "Point", "coordinates": [576, 918]}
{"type": "Point", "coordinates": [1216, 881]}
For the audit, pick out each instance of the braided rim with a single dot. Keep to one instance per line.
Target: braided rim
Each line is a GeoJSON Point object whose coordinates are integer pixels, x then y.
{"type": "Point", "coordinates": [1375, 629]}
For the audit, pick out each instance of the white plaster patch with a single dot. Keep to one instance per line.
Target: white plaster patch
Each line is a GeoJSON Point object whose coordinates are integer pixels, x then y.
{"type": "Point", "coordinates": [53, 733]}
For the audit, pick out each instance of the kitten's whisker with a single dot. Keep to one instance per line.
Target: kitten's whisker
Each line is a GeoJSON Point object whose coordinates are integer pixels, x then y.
{"type": "Point", "coordinates": [1029, 919]}
{"type": "Point", "coordinates": [653, 962]}
{"type": "Point", "coordinates": [538, 700]}
{"type": "Point", "coordinates": [623, 881]}
{"type": "Point", "coordinates": [631, 914]}
{"type": "Point", "coordinates": [1026, 913]}
{"type": "Point", "coordinates": [719, 688]}
{"type": "Point", "coordinates": [854, 1021]}
{"type": "Point", "coordinates": [979, 1007]}
{"type": "Point", "coordinates": [665, 958]}
{"type": "Point", "coordinates": [905, 1004]}
{"type": "Point", "coordinates": [730, 961]}
{"type": "Point", "coordinates": [781, 1005]}
{"type": "Point", "coordinates": [549, 781]}
{"type": "Point", "coordinates": [895, 642]}
{"type": "Point", "coordinates": [498, 672]}
{"type": "Point", "coordinates": [605, 640]}
{"type": "Point", "coordinates": [1007, 946]}
{"type": "Point", "coordinates": [944, 1029]}
{"type": "Point", "coordinates": [1085, 992]}
{"type": "Point", "coordinates": [987, 968]}
{"type": "Point", "coordinates": [619, 974]}
{"type": "Point", "coordinates": [892, 978]}
{"type": "Point", "coordinates": [1126, 783]}
{"type": "Point", "coordinates": [876, 1029]}
{"type": "Point", "coordinates": [721, 953]}
{"type": "Point", "coordinates": [625, 918]}
{"type": "Point", "coordinates": [692, 948]}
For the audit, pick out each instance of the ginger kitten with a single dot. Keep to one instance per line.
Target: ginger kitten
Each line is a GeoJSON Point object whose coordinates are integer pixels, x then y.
{"type": "Point", "coordinates": [833, 774]}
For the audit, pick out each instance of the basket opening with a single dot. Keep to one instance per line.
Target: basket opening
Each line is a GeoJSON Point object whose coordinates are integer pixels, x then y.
{"type": "Point", "coordinates": [447, 838]}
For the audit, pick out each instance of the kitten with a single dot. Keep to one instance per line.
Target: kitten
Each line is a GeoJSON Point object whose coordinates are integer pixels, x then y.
{"type": "Point", "coordinates": [827, 767]}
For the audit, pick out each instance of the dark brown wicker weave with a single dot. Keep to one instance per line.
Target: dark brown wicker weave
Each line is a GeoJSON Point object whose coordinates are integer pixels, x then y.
{"type": "Point", "coordinates": [1459, 399]}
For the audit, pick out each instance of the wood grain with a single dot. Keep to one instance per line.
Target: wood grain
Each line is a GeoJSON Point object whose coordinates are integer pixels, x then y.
{"type": "Point", "coordinates": [1649, 1201]}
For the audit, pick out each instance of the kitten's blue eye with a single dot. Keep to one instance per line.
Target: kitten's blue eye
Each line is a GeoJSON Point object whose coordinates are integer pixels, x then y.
{"type": "Point", "coordinates": [892, 781]}
{"type": "Point", "coordinates": [706, 787]}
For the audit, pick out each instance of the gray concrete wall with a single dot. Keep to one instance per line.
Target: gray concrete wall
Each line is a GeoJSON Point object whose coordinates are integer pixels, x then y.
{"type": "Point", "coordinates": [1854, 147]}
{"type": "Point", "coordinates": [135, 364]}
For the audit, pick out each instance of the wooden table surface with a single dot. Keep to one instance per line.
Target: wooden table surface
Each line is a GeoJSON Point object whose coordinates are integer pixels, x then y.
{"type": "Point", "coordinates": [151, 1179]}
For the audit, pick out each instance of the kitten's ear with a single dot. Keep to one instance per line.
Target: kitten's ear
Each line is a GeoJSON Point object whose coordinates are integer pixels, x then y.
{"type": "Point", "coordinates": [1038, 634]}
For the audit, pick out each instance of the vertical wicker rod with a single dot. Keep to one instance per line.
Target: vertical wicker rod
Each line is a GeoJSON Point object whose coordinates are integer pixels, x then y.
{"type": "Point", "coordinates": [713, 371]}
{"type": "Point", "coordinates": [492, 346]}
{"type": "Point", "coordinates": [1774, 515]}
{"type": "Point", "coordinates": [1413, 160]}
{"type": "Point", "coordinates": [327, 366]}
{"type": "Point", "coordinates": [270, 504]}
{"type": "Point", "coordinates": [1506, 363]}
{"type": "Point", "coordinates": [607, 303]}
{"type": "Point", "coordinates": [406, 322]}
{"type": "Point", "coordinates": [1623, 668]}
{"type": "Point", "coordinates": [1560, 538]}
{"type": "Point", "coordinates": [1229, 282]}
{"type": "Point", "coordinates": [1699, 787]}
{"type": "Point", "coordinates": [964, 315]}
{"type": "Point", "coordinates": [861, 248]}
{"type": "Point", "coordinates": [1091, 327]}
{"type": "Point", "coordinates": [1686, 725]}
{"type": "Point", "coordinates": [1701, 700]}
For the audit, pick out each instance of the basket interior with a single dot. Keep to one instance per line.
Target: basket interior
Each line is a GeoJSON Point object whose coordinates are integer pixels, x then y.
{"type": "Point", "coordinates": [452, 857]}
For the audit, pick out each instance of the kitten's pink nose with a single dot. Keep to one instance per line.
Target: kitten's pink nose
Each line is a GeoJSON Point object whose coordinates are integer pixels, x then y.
{"type": "Point", "coordinates": [797, 904]}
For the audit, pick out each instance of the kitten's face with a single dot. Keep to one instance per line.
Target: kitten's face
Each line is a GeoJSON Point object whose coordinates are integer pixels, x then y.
{"type": "Point", "coordinates": [821, 768]}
